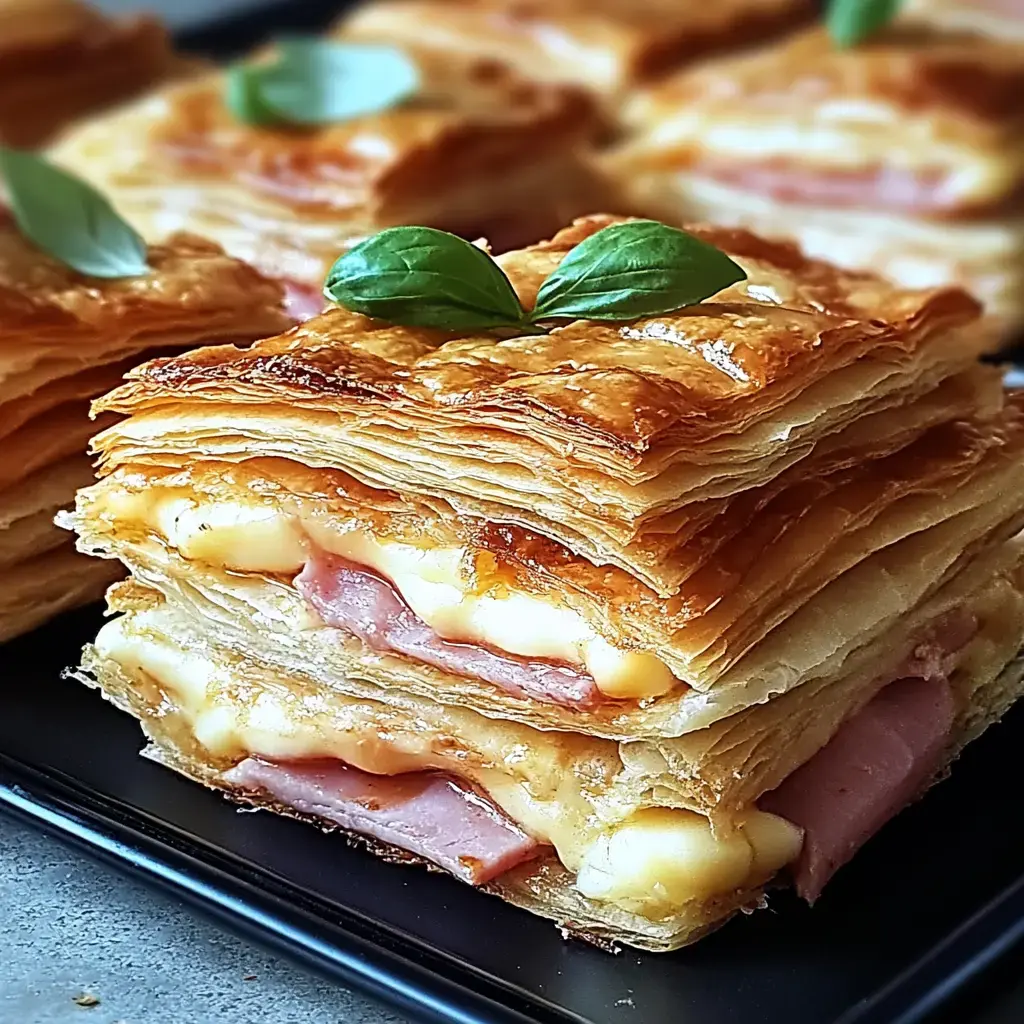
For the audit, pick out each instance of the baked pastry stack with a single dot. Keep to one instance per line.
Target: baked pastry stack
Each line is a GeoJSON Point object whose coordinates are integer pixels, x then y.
{"type": "Point", "coordinates": [621, 621]}
{"type": "Point", "coordinates": [474, 150]}
{"type": "Point", "coordinates": [64, 339]}
{"type": "Point", "coordinates": [61, 59]}
{"type": "Point", "coordinates": [608, 47]}
{"type": "Point", "coordinates": [994, 18]}
{"type": "Point", "coordinates": [901, 155]}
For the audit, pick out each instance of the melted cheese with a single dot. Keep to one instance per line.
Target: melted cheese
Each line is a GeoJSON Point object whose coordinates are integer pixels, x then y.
{"type": "Point", "coordinates": [655, 860]}
{"type": "Point", "coordinates": [260, 538]}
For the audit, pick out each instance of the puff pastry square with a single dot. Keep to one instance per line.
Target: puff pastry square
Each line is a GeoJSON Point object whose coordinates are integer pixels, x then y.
{"type": "Point", "coordinates": [608, 47]}
{"type": "Point", "coordinates": [61, 59]}
{"type": "Point", "coordinates": [682, 603]}
{"type": "Point", "coordinates": [904, 155]}
{"type": "Point", "coordinates": [64, 339]}
{"type": "Point", "coordinates": [999, 19]}
{"type": "Point", "coordinates": [478, 152]}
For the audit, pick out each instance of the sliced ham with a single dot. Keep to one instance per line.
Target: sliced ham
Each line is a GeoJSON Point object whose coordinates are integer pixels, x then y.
{"type": "Point", "coordinates": [873, 767]}
{"type": "Point", "coordinates": [876, 188]}
{"type": "Point", "coordinates": [426, 813]}
{"type": "Point", "coordinates": [360, 602]}
{"type": "Point", "coordinates": [301, 301]}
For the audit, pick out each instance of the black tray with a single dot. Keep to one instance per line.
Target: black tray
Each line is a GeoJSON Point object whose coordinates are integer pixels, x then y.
{"type": "Point", "coordinates": [911, 929]}
{"type": "Point", "coordinates": [916, 915]}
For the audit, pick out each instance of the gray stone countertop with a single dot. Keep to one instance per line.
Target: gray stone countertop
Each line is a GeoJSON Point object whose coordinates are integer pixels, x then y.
{"type": "Point", "coordinates": [73, 931]}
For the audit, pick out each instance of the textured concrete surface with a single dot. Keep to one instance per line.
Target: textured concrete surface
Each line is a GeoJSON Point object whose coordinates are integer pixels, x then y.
{"type": "Point", "coordinates": [73, 929]}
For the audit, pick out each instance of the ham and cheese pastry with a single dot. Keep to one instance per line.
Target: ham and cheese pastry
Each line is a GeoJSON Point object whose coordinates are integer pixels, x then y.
{"type": "Point", "coordinates": [477, 152]}
{"type": "Point", "coordinates": [608, 47]}
{"type": "Point", "coordinates": [66, 339]}
{"type": "Point", "coordinates": [903, 155]}
{"type": "Point", "coordinates": [998, 19]}
{"type": "Point", "coordinates": [61, 59]}
{"type": "Point", "coordinates": [620, 621]}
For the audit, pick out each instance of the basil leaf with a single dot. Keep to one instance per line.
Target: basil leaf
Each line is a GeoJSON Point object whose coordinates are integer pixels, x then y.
{"type": "Point", "coordinates": [316, 81]}
{"type": "Point", "coordinates": [243, 98]}
{"type": "Point", "coordinates": [422, 277]}
{"type": "Point", "coordinates": [638, 268]}
{"type": "Point", "coordinates": [68, 219]}
{"type": "Point", "coordinates": [850, 22]}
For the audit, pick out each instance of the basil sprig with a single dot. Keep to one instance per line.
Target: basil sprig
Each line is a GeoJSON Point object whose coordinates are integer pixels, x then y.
{"type": "Point", "coordinates": [314, 81]}
{"type": "Point", "coordinates": [422, 277]}
{"type": "Point", "coordinates": [850, 22]}
{"type": "Point", "coordinates": [68, 219]}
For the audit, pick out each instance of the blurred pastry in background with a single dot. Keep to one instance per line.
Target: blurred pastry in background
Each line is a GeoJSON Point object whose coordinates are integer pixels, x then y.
{"type": "Point", "coordinates": [73, 319]}
{"type": "Point", "coordinates": [904, 155]}
{"type": "Point", "coordinates": [1000, 19]}
{"type": "Point", "coordinates": [291, 158]}
{"type": "Point", "coordinates": [609, 46]}
{"type": "Point", "coordinates": [60, 59]}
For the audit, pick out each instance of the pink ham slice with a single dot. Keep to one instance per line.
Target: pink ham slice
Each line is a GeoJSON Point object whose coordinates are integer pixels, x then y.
{"type": "Point", "coordinates": [878, 761]}
{"type": "Point", "coordinates": [301, 301]}
{"type": "Point", "coordinates": [876, 188]}
{"type": "Point", "coordinates": [425, 813]}
{"type": "Point", "coordinates": [358, 601]}
{"type": "Point", "coordinates": [873, 767]}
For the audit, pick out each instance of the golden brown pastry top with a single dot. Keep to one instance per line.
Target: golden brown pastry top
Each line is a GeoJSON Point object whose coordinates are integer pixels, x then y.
{"type": "Point", "coordinates": [61, 58]}
{"type": "Point", "coordinates": [465, 121]}
{"type": "Point", "coordinates": [606, 45]}
{"type": "Point", "coordinates": [909, 69]}
{"type": "Point", "coordinates": [192, 283]}
{"type": "Point", "coordinates": [681, 378]}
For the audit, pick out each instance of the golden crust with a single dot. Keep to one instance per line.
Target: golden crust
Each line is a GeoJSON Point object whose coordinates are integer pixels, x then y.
{"type": "Point", "coordinates": [607, 46]}
{"type": "Point", "coordinates": [956, 78]}
{"type": "Point", "coordinates": [60, 59]}
{"type": "Point", "coordinates": [54, 322]}
{"type": "Point", "coordinates": [683, 378]}
{"type": "Point", "coordinates": [64, 338]}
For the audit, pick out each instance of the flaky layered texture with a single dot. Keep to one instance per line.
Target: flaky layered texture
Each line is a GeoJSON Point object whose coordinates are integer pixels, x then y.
{"type": "Point", "coordinates": [607, 47]}
{"type": "Point", "coordinates": [829, 568]}
{"type": "Point", "coordinates": [904, 154]}
{"type": "Point", "coordinates": [206, 705]}
{"type": "Point", "coordinates": [61, 59]}
{"type": "Point", "coordinates": [477, 152]}
{"type": "Point", "coordinates": [616, 441]}
{"type": "Point", "coordinates": [64, 339]}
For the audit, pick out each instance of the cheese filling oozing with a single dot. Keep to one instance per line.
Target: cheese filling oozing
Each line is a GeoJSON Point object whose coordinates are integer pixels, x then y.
{"type": "Point", "coordinates": [652, 863]}
{"type": "Point", "coordinates": [260, 538]}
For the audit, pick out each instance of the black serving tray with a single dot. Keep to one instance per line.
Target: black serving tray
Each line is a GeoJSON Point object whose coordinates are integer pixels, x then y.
{"type": "Point", "coordinates": [925, 908]}
{"type": "Point", "coordinates": [922, 925]}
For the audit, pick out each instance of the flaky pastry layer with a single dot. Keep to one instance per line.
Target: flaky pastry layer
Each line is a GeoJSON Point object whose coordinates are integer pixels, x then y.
{"type": "Point", "coordinates": [570, 778]}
